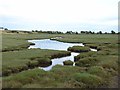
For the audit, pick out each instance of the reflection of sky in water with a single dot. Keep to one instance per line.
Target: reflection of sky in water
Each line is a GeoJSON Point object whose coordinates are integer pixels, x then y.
{"type": "Point", "coordinates": [55, 45]}
{"type": "Point", "coordinates": [60, 61]}
{"type": "Point", "coordinates": [51, 44]}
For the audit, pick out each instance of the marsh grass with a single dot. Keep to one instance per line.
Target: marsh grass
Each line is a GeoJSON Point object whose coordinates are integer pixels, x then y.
{"type": "Point", "coordinates": [109, 62]}
{"type": "Point", "coordinates": [18, 41]}
{"type": "Point", "coordinates": [90, 81]}
{"type": "Point", "coordinates": [78, 49]}
{"type": "Point", "coordinates": [93, 70]}
{"type": "Point", "coordinates": [94, 46]}
{"type": "Point", "coordinates": [68, 62]}
{"type": "Point", "coordinates": [98, 70]}
{"type": "Point", "coordinates": [17, 61]}
{"type": "Point", "coordinates": [86, 62]}
{"type": "Point", "coordinates": [84, 55]}
{"type": "Point", "coordinates": [55, 78]}
{"type": "Point", "coordinates": [44, 62]}
{"type": "Point", "coordinates": [89, 38]}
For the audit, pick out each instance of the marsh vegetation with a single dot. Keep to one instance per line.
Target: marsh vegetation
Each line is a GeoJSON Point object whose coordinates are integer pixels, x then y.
{"type": "Point", "coordinates": [91, 70]}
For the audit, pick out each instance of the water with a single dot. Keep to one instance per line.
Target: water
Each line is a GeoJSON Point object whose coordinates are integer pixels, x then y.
{"type": "Point", "coordinates": [52, 44]}
{"type": "Point", "coordinates": [59, 61]}
{"type": "Point", "coordinates": [55, 45]}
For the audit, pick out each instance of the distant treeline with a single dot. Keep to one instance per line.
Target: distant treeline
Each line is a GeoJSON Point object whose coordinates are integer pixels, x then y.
{"type": "Point", "coordinates": [71, 32]}
{"type": "Point", "coordinates": [49, 32]}
{"type": "Point", "coordinates": [58, 32]}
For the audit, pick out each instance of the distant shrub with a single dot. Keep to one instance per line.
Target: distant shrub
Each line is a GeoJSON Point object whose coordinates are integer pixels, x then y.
{"type": "Point", "coordinates": [5, 28]}
{"type": "Point", "coordinates": [78, 49]}
{"type": "Point", "coordinates": [112, 32]}
{"type": "Point", "coordinates": [68, 62]}
{"type": "Point", "coordinates": [14, 31]}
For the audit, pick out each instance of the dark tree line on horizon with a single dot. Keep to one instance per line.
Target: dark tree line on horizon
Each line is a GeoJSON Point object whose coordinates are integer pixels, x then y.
{"type": "Point", "coordinates": [59, 32]}
{"type": "Point", "coordinates": [71, 32]}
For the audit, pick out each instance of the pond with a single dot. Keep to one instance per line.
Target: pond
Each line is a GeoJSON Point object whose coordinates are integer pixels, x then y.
{"type": "Point", "coordinates": [52, 44]}
{"type": "Point", "coordinates": [55, 45]}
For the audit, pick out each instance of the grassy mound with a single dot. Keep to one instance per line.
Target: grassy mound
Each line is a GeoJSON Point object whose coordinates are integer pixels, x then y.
{"type": "Point", "coordinates": [98, 70]}
{"type": "Point", "coordinates": [68, 62]}
{"type": "Point", "coordinates": [44, 62]}
{"type": "Point", "coordinates": [84, 55]}
{"type": "Point", "coordinates": [94, 46]}
{"type": "Point", "coordinates": [86, 62]}
{"type": "Point", "coordinates": [78, 49]}
{"type": "Point", "coordinates": [59, 55]}
{"type": "Point", "coordinates": [89, 80]}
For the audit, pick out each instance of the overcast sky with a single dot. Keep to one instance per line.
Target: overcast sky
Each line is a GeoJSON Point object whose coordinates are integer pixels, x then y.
{"type": "Point", "coordinates": [62, 15]}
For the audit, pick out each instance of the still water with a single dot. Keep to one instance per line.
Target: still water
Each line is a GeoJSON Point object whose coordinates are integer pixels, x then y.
{"type": "Point", "coordinates": [55, 45]}
{"type": "Point", "coordinates": [52, 44]}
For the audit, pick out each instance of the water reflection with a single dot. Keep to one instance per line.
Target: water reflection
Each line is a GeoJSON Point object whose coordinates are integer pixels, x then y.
{"type": "Point", "coordinates": [51, 44]}
{"type": "Point", "coordinates": [56, 45]}
{"type": "Point", "coordinates": [60, 61]}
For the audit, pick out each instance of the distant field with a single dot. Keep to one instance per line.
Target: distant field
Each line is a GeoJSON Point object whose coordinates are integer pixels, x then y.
{"type": "Point", "coordinates": [16, 41]}
{"type": "Point", "coordinates": [19, 41]}
{"type": "Point", "coordinates": [91, 38]}
{"type": "Point", "coordinates": [92, 70]}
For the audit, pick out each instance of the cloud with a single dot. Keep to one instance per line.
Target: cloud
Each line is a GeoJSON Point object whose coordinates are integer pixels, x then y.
{"type": "Point", "coordinates": [38, 12]}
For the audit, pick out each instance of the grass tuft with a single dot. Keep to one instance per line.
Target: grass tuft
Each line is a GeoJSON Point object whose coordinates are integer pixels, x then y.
{"type": "Point", "coordinates": [68, 62]}
{"type": "Point", "coordinates": [78, 49]}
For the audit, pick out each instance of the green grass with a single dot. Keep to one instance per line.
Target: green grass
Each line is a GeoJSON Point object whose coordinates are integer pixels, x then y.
{"type": "Point", "coordinates": [94, 46]}
{"type": "Point", "coordinates": [83, 55]}
{"type": "Point", "coordinates": [16, 40]}
{"type": "Point", "coordinates": [94, 69]}
{"type": "Point", "coordinates": [68, 62]}
{"type": "Point", "coordinates": [98, 70]}
{"type": "Point", "coordinates": [89, 80]}
{"type": "Point", "coordinates": [23, 59]}
{"type": "Point", "coordinates": [86, 62]}
{"type": "Point", "coordinates": [19, 41]}
{"type": "Point", "coordinates": [90, 38]}
{"type": "Point", "coordinates": [58, 77]}
{"type": "Point", "coordinates": [78, 49]}
{"type": "Point", "coordinates": [109, 62]}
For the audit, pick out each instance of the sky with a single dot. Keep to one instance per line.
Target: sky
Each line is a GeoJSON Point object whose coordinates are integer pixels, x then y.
{"type": "Point", "coordinates": [59, 15]}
